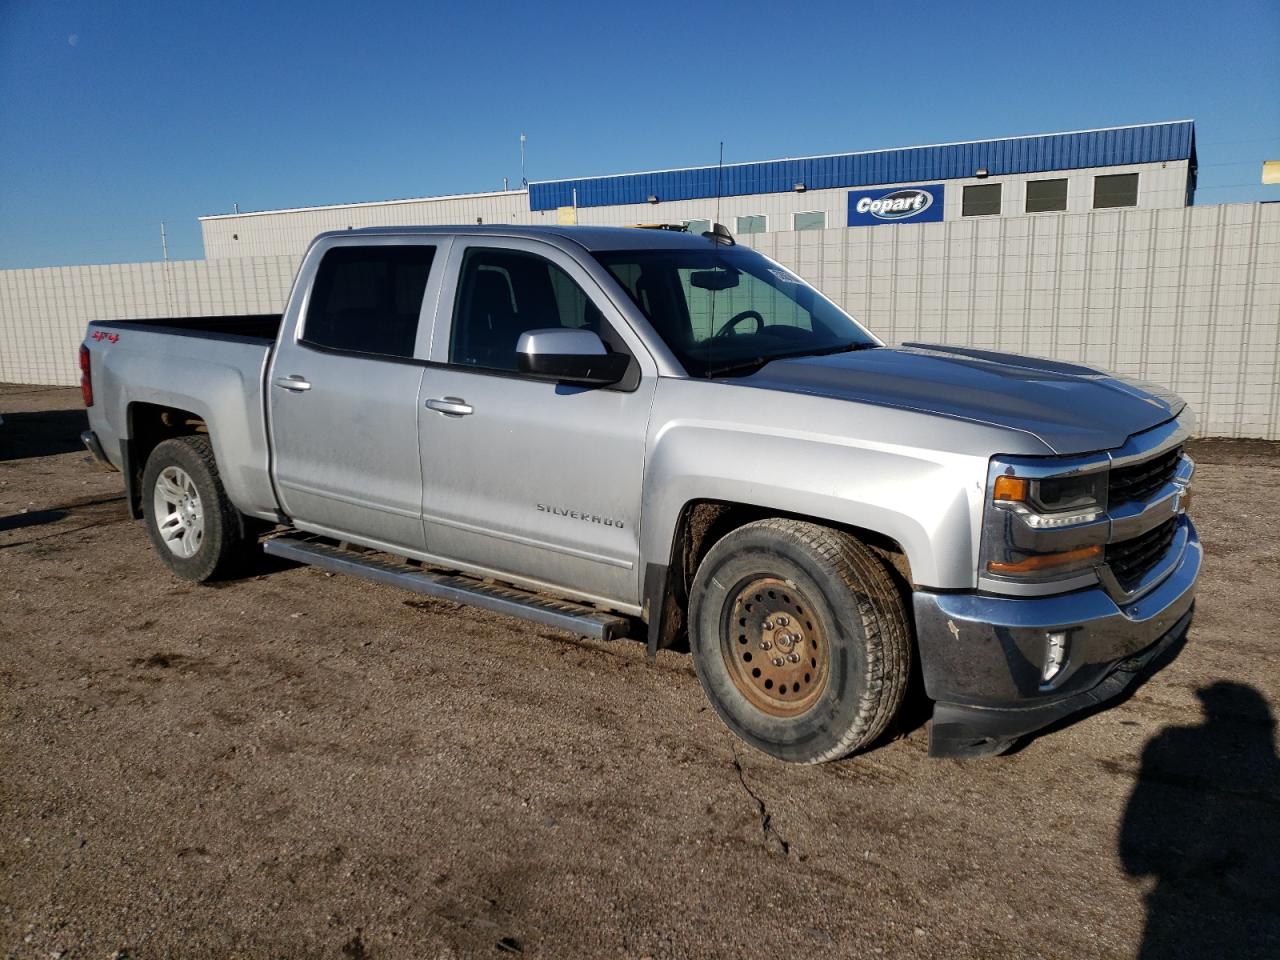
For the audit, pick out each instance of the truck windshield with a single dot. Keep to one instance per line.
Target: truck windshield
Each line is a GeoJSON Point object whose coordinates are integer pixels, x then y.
{"type": "Point", "coordinates": [728, 310]}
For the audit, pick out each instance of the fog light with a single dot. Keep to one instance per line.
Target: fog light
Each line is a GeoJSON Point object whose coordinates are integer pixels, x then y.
{"type": "Point", "coordinates": [1055, 654]}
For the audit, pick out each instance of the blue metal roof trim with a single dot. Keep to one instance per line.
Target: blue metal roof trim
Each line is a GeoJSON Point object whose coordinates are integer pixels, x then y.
{"type": "Point", "coordinates": [1055, 151]}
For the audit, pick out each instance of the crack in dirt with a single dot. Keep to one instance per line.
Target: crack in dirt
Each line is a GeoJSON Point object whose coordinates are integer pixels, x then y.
{"type": "Point", "coordinates": [774, 842]}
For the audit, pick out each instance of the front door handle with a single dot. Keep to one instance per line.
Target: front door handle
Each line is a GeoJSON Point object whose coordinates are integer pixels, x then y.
{"type": "Point", "coordinates": [294, 382]}
{"type": "Point", "coordinates": [451, 406]}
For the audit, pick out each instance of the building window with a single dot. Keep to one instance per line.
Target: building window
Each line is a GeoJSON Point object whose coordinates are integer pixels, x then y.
{"type": "Point", "coordinates": [1046, 195]}
{"type": "Point", "coordinates": [981, 200]}
{"type": "Point", "coordinates": [698, 227]}
{"type": "Point", "coordinates": [812, 220]}
{"type": "Point", "coordinates": [1115, 190]}
{"type": "Point", "coordinates": [753, 223]}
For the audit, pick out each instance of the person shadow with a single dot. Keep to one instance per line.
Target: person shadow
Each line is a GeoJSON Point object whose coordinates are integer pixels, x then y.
{"type": "Point", "coordinates": [1204, 822]}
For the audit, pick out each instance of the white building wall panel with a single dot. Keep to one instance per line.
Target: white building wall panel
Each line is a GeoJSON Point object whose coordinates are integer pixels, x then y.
{"type": "Point", "coordinates": [43, 312]}
{"type": "Point", "coordinates": [1159, 185]}
{"type": "Point", "coordinates": [289, 232]}
{"type": "Point", "coordinates": [1188, 298]}
{"type": "Point", "coordinates": [1184, 297]}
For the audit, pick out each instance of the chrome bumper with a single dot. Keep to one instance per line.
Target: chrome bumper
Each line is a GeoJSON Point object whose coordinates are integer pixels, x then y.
{"type": "Point", "coordinates": [985, 655]}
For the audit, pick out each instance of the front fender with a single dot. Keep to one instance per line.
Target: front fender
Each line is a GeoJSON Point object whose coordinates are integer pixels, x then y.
{"type": "Point", "coordinates": [884, 471]}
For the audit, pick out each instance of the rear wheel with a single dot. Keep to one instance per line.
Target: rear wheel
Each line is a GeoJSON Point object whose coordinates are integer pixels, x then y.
{"type": "Point", "coordinates": [800, 638]}
{"type": "Point", "coordinates": [195, 528]}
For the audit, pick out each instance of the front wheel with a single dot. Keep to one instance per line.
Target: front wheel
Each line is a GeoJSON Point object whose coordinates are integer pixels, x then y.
{"type": "Point", "coordinates": [800, 639]}
{"type": "Point", "coordinates": [195, 528]}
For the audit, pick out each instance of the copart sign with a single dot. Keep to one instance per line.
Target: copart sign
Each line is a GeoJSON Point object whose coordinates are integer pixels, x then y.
{"type": "Point", "coordinates": [922, 204]}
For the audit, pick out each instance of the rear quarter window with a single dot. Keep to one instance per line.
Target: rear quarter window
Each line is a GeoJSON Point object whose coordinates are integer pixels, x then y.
{"type": "Point", "coordinates": [368, 299]}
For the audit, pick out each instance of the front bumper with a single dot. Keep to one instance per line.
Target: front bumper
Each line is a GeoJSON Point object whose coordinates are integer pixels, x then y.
{"type": "Point", "coordinates": [983, 656]}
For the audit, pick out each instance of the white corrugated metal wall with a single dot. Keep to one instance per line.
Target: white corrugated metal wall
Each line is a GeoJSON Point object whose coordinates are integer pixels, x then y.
{"type": "Point", "coordinates": [43, 312]}
{"type": "Point", "coordinates": [1186, 297]}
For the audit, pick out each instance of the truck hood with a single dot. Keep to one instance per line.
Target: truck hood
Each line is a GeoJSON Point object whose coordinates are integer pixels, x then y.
{"type": "Point", "coordinates": [1070, 408]}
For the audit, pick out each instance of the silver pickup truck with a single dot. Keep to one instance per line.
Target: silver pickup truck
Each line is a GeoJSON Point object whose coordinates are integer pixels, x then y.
{"type": "Point", "coordinates": [627, 431]}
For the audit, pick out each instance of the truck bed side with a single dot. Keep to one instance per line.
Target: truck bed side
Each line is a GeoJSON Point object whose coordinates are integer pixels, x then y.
{"type": "Point", "coordinates": [158, 378]}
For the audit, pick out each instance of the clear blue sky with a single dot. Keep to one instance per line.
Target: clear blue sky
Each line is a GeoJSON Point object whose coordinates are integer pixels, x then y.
{"type": "Point", "coordinates": [115, 116]}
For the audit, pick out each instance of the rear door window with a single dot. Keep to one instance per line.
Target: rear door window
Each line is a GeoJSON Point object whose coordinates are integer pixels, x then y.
{"type": "Point", "coordinates": [368, 299]}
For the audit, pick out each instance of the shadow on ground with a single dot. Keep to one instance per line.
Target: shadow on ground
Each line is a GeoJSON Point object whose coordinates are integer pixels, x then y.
{"type": "Point", "coordinates": [81, 514]}
{"type": "Point", "coordinates": [35, 518]}
{"type": "Point", "coordinates": [41, 433]}
{"type": "Point", "coordinates": [1204, 824]}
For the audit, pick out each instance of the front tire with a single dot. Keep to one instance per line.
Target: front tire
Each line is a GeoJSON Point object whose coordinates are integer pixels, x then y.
{"type": "Point", "coordinates": [800, 638]}
{"type": "Point", "coordinates": [195, 528]}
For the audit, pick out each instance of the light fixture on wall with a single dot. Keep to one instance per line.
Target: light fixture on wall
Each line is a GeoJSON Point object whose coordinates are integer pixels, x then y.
{"type": "Point", "coordinates": [981, 173]}
{"type": "Point", "coordinates": [799, 186]}
{"type": "Point", "coordinates": [653, 198]}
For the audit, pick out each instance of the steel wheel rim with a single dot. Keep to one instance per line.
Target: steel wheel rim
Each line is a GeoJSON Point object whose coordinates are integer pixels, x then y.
{"type": "Point", "coordinates": [767, 620]}
{"type": "Point", "coordinates": [178, 511]}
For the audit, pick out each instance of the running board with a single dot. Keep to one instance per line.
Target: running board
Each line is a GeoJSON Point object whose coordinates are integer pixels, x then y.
{"type": "Point", "coordinates": [562, 614]}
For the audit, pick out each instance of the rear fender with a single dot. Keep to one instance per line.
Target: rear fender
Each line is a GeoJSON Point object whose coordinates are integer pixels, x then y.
{"type": "Point", "coordinates": [227, 399]}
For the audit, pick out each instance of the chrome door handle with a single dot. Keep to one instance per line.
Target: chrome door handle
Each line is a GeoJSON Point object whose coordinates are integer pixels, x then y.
{"type": "Point", "coordinates": [451, 406]}
{"type": "Point", "coordinates": [293, 382]}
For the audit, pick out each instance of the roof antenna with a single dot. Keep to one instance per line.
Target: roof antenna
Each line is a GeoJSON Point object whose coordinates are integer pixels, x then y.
{"type": "Point", "coordinates": [719, 191]}
{"type": "Point", "coordinates": [719, 233]}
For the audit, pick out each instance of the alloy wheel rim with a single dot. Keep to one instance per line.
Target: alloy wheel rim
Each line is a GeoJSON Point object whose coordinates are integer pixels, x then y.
{"type": "Point", "coordinates": [178, 511]}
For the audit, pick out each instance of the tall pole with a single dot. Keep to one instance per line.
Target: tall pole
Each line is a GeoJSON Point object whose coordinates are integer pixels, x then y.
{"type": "Point", "coordinates": [524, 181]}
{"type": "Point", "coordinates": [164, 241]}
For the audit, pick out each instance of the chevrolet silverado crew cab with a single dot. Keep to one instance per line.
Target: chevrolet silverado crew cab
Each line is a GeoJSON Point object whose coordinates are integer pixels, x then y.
{"type": "Point", "coordinates": [613, 429]}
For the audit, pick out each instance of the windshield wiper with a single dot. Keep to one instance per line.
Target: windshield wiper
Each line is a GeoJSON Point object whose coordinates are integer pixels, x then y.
{"type": "Point", "coordinates": [755, 363]}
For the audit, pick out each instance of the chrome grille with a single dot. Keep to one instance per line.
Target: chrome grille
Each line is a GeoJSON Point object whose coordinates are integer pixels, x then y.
{"type": "Point", "coordinates": [1131, 559]}
{"type": "Point", "coordinates": [1140, 480]}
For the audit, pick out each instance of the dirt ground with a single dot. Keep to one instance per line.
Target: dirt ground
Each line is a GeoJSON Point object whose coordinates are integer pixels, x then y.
{"type": "Point", "coordinates": [298, 765]}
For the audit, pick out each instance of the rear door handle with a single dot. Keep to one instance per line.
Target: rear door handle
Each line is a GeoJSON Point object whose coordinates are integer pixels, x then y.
{"type": "Point", "coordinates": [451, 406]}
{"type": "Point", "coordinates": [293, 382]}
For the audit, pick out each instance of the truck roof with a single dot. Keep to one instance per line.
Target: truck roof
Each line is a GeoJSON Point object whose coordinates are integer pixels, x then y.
{"type": "Point", "coordinates": [590, 238]}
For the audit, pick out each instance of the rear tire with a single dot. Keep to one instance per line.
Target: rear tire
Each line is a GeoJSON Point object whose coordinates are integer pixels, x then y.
{"type": "Point", "coordinates": [800, 639]}
{"type": "Point", "coordinates": [195, 528]}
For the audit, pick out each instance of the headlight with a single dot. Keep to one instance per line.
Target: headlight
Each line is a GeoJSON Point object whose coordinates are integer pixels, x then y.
{"type": "Point", "coordinates": [1045, 521]}
{"type": "Point", "coordinates": [1053, 501]}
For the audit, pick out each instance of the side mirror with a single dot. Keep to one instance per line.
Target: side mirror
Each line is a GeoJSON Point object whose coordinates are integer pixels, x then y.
{"type": "Point", "coordinates": [567, 355]}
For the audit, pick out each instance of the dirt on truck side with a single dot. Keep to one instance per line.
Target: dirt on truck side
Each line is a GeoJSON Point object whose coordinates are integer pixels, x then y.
{"type": "Point", "coordinates": [295, 764]}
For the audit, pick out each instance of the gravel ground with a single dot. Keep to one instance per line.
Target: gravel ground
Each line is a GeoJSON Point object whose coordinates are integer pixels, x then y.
{"type": "Point", "coordinates": [298, 765]}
